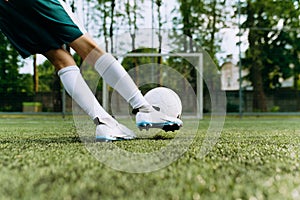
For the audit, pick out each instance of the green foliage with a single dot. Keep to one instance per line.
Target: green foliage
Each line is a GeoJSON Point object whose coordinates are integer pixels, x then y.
{"type": "Point", "coordinates": [10, 79]}
{"type": "Point", "coordinates": [47, 75]}
{"type": "Point", "coordinates": [48, 79]}
{"type": "Point", "coordinates": [13, 85]}
{"type": "Point", "coordinates": [201, 21]}
{"type": "Point", "coordinates": [27, 83]}
{"type": "Point", "coordinates": [185, 68]}
{"type": "Point", "coordinates": [132, 62]}
{"type": "Point", "coordinates": [275, 47]}
{"type": "Point", "coordinates": [273, 31]}
{"type": "Point", "coordinates": [255, 158]}
{"type": "Point", "coordinates": [196, 29]}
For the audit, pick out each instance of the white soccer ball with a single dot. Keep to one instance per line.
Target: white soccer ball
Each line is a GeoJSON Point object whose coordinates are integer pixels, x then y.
{"type": "Point", "coordinates": [165, 100]}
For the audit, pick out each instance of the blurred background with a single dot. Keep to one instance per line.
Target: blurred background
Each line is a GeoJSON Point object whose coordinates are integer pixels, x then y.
{"type": "Point", "coordinates": [254, 44]}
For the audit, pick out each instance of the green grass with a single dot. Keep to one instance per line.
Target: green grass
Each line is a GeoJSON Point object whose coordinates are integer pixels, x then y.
{"type": "Point", "coordinates": [42, 157]}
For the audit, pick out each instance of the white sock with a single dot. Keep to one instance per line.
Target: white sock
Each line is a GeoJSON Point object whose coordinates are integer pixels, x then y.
{"type": "Point", "coordinates": [116, 76]}
{"type": "Point", "coordinates": [77, 88]}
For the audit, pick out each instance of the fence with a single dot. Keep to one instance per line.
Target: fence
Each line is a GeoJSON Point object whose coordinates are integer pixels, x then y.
{"type": "Point", "coordinates": [283, 100]}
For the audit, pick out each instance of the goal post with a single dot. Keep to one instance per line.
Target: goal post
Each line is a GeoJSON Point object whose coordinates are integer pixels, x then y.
{"type": "Point", "coordinates": [199, 76]}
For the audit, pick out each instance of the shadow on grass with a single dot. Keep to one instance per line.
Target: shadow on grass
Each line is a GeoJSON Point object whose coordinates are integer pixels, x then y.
{"type": "Point", "coordinates": [159, 137]}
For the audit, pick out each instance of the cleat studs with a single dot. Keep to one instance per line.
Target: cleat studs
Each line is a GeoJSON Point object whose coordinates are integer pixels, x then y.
{"type": "Point", "coordinates": [147, 127]}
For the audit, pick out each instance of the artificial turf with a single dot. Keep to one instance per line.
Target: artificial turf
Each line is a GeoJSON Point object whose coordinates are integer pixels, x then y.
{"type": "Point", "coordinates": [43, 157]}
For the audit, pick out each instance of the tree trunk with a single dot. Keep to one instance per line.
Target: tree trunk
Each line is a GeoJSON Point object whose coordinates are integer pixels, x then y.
{"type": "Point", "coordinates": [259, 97]}
{"type": "Point", "coordinates": [111, 28]}
{"type": "Point", "coordinates": [254, 38]}
{"type": "Point", "coordinates": [35, 75]}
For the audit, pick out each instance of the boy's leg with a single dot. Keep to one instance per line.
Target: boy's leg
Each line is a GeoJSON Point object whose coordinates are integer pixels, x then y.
{"type": "Point", "coordinates": [111, 71]}
{"type": "Point", "coordinates": [116, 76]}
{"type": "Point", "coordinates": [107, 127]}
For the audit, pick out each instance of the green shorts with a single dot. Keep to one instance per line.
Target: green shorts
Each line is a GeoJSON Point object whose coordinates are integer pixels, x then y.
{"type": "Point", "coordinates": [37, 26]}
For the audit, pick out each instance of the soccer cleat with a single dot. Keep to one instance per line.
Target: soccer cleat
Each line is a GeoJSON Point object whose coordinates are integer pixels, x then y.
{"type": "Point", "coordinates": [109, 129]}
{"type": "Point", "coordinates": [156, 119]}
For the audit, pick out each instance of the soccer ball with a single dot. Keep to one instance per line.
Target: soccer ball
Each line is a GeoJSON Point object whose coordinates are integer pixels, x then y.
{"type": "Point", "coordinates": [165, 100]}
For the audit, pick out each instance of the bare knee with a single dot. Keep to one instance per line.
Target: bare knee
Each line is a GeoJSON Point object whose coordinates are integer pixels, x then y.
{"type": "Point", "coordinates": [87, 49]}
{"type": "Point", "coordinates": [60, 58]}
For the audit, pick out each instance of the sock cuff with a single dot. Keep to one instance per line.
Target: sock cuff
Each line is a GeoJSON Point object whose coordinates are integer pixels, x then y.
{"type": "Point", "coordinates": [104, 62]}
{"type": "Point", "coordinates": [67, 69]}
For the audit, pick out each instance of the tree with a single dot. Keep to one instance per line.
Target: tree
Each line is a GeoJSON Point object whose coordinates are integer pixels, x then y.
{"type": "Point", "coordinates": [12, 83]}
{"type": "Point", "coordinates": [10, 63]}
{"type": "Point", "coordinates": [131, 15]}
{"type": "Point", "coordinates": [195, 30]}
{"type": "Point", "coordinates": [107, 20]}
{"type": "Point", "coordinates": [201, 21]}
{"type": "Point", "coordinates": [269, 54]}
{"type": "Point", "coordinates": [46, 77]}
